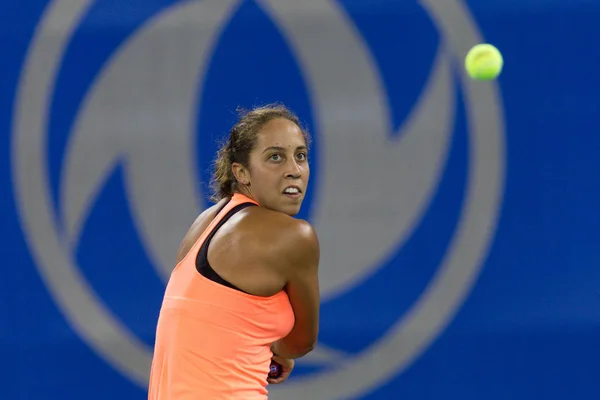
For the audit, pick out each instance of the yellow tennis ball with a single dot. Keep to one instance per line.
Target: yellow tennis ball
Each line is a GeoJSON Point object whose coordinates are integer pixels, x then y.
{"type": "Point", "coordinates": [484, 62]}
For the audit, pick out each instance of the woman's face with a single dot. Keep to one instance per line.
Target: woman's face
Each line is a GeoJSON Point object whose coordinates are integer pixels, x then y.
{"type": "Point", "coordinates": [278, 170]}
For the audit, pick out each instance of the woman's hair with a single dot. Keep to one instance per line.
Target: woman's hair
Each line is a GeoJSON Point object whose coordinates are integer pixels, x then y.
{"type": "Point", "coordinates": [241, 141]}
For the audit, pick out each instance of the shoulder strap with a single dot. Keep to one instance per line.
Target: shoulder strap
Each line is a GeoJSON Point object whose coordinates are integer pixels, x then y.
{"type": "Point", "coordinates": [235, 201]}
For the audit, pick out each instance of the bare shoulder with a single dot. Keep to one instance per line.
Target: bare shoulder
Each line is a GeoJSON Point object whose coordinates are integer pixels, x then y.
{"type": "Point", "coordinates": [299, 237]}
{"type": "Point", "coordinates": [290, 238]}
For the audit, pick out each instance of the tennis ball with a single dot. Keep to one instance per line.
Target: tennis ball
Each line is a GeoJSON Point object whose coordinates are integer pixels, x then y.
{"type": "Point", "coordinates": [484, 62]}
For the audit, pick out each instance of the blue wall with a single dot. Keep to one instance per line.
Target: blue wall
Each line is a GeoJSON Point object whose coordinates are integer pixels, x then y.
{"type": "Point", "coordinates": [458, 219]}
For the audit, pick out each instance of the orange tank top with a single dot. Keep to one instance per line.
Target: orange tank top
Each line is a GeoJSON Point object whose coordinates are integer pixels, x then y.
{"type": "Point", "coordinates": [213, 342]}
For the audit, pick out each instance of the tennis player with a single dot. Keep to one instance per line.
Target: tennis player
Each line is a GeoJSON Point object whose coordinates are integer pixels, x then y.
{"type": "Point", "coordinates": [245, 290]}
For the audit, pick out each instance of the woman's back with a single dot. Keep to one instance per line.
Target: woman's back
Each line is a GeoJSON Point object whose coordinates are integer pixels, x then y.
{"type": "Point", "coordinates": [213, 339]}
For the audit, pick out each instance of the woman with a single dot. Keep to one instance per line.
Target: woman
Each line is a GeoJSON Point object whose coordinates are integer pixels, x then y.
{"type": "Point", "coordinates": [245, 288]}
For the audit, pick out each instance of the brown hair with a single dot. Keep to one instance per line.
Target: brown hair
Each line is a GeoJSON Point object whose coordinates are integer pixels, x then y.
{"type": "Point", "coordinates": [241, 141]}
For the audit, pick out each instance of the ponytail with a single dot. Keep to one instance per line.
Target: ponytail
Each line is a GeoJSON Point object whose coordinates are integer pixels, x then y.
{"type": "Point", "coordinates": [223, 180]}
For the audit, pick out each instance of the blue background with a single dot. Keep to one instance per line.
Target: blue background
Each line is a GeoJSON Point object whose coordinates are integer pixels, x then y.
{"type": "Point", "coordinates": [530, 329]}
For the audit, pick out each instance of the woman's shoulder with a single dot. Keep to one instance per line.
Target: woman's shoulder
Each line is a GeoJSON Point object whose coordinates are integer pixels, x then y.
{"type": "Point", "coordinates": [284, 234]}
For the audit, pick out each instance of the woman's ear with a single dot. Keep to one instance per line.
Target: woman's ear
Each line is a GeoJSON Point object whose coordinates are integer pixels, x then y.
{"type": "Point", "coordinates": [240, 173]}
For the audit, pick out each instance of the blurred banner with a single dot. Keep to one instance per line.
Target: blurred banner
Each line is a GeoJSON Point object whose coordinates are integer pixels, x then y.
{"type": "Point", "coordinates": [458, 220]}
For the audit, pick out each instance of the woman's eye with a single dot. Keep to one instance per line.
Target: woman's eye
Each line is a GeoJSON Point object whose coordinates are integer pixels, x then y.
{"type": "Point", "coordinates": [275, 157]}
{"type": "Point", "coordinates": [301, 156]}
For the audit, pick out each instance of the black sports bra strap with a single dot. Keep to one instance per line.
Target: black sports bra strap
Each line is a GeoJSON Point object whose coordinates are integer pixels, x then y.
{"type": "Point", "coordinates": [202, 264]}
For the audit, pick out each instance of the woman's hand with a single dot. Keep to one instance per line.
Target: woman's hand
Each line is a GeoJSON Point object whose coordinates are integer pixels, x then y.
{"type": "Point", "coordinates": [287, 365]}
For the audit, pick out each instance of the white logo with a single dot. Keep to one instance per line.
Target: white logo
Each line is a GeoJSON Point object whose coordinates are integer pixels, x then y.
{"type": "Point", "coordinates": [120, 118]}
